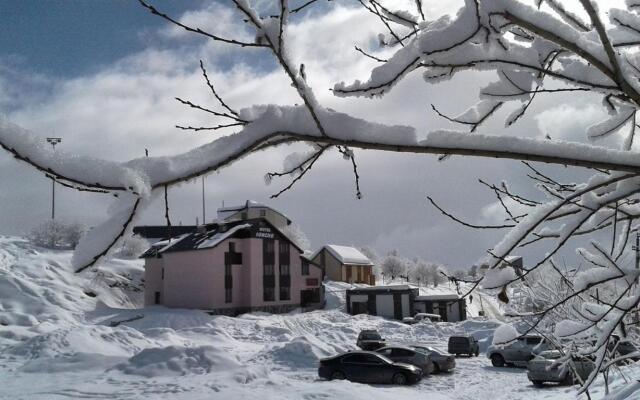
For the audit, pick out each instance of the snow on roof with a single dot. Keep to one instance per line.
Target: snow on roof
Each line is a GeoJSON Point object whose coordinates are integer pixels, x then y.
{"type": "Point", "coordinates": [384, 288]}
{"type": "Point", "coordinates": [162, 245]}
{"type": "Point", "coordinates": [220, 236]}
{"type": "Point", "coordinates": [439, 296]}
{"type": "Point", "coordinates": [437, 293]}
{"type": "Point", "coordinates": [247, 204]}
{"type": "Point", "coordinates": [226, 212]}
{"type": "Point", "coordinates": [345, 254]}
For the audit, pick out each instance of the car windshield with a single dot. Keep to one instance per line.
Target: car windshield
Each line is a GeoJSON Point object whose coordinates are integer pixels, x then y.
{"type": "Point", "coordinates": [550, 355]}
{"type": "Point", "coordinates": [385, 359]}
{"type": "Point", "coordinates": [428, 349]}
{"type": "Point", "coordinates": [370, 336]}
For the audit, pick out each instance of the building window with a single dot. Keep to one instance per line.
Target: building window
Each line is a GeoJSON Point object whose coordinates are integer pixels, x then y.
{"type": "Point", "coordinates": [228, 284]}
{"type": "Point", "coordinates": [269, 294]}
{"type": "Point", "coordinates": [162, 273]}
{"type": "Point", "coordinates": [156, 300]}
{"type": "Point", "coordinates": [231, 257]}
{"type": "Point", "coordinates": [243, 215]}
{"type": "Point", "coordinates": [305, 267]}
{"type": "Point", "coordinates": [284, 251]}
{"type": "Point", "coordinates": [268, 274]}
{"type": "Point", "coordinates": [285, 273]}
{"type": "Point", "coordinates": [285, 293]}
{"type": "Point", "coordinates": [263, 213]}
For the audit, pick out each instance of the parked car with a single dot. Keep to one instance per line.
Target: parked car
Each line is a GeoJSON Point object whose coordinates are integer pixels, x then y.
{"type": "Point", "coordinates": [442, 361]}
{"type": "Point", "coordinates": [407, 355]}
{"type": "Point", "coordinates": [623, 347]}
{"type": "Point", "coordinates": [427, 317]}
{"type": "Point", "coordinates": [465, 344]}
{"type": "Point", "coordinates": [519, 352]}
{"type": "Point", "coordinates": [368, 367]}
{"type": "Point", "coordinates": [409, 320]}
{"type": "Point", "coordinates": [370, 339]}
{"type": "Point", "coordinates": [542, 369]}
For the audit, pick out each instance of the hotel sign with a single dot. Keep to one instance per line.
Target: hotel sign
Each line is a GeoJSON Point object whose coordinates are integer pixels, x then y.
{"type": "Point", "coordinates": [265, 233]}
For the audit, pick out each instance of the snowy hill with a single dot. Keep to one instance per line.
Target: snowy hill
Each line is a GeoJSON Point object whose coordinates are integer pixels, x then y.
{"type": "Point", "coordinates": [82, 336]}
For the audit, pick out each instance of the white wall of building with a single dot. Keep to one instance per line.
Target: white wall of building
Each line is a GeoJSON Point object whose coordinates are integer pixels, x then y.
{"type": "Point", "coordinates": [384, 305]}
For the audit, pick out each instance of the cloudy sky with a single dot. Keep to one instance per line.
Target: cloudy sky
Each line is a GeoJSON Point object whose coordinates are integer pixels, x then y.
{"type": "Point", "coordinates": [103, 76]}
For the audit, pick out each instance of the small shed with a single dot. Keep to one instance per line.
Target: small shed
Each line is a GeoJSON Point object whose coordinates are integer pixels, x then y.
{"type": "Point", "coordinates": [392, 301]}
{"type": "Point", "coordinates": [345, 264]}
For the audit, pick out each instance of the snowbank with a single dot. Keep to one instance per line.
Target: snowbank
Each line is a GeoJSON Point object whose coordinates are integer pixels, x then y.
{"type": "Point", "coordinates": [178, 361]}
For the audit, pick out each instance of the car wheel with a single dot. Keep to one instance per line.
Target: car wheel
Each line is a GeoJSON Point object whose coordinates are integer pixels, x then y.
{"type": "Point", "coordinates": [537, 383]}
{"type": "Point", "coordinates": [568, 380]}
{"type": "Point", "coordinates": [436, 368]}
{"type": "Point", "coordinates": [337, 375]}
{"type": "Point", "coordinates": [497, 360]}
{"type": "Point", "coordinates": [399, 379]}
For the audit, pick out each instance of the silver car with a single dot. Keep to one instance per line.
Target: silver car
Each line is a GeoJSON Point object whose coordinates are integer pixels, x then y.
{"type": "Point", "coordinates": [543, 369]}
{"type": "Point", "coordinates": [442, 361]}
{"type": "Point", "coordinates": [407, 355]}
{"type": "Point", "coordinates": [519, 352]}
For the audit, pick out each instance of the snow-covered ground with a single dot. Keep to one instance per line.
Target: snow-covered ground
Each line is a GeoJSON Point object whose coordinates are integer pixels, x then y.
{"type": "Point", "coordinates": [67, 336]}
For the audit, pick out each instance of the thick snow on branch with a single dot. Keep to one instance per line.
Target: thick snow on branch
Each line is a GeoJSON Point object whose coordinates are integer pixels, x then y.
{"type": "Point", "coordinates": [101, 239]}
{"type": "Point", "coordinates": [84, 171]}
{"type": "Point", "coordinates": [267, 121]}
{"type": "Point", "coordinates": [445, 47]}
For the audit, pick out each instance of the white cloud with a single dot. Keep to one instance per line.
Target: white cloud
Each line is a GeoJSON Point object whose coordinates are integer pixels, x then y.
{"type": "Point", "coordinates": [128, 106]}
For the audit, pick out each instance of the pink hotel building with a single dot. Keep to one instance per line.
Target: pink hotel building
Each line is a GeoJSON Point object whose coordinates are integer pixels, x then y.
{"type": "Point", "coordinates": [240, 265]}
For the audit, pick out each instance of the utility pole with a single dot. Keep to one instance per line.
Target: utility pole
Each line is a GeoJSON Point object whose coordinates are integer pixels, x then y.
{"type": "Point", "coordinates": [637, 249]}
{"type": "Point", "coordinates": [204, 221]}
{"type": "Point", "coordinates": [53, 141]}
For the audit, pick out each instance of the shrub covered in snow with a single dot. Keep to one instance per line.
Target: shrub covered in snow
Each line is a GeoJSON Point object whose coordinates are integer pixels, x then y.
{"type": "Point", "coordinates": [132, 247]}
{"type": "Point", "coordinates": [55, 234]}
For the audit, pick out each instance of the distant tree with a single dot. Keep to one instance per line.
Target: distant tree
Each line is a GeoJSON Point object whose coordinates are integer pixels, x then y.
{"type": "Point", "coordinates": [420, 272]}
{"type": "Point", "coordinates": [473, 271]}
{"type": "Point", "coordinates": [393, 265]}
{"type": "Point", "coordinates": [435, 275]}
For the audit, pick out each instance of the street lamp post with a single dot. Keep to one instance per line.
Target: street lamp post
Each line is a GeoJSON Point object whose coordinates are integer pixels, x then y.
{"type": "Point", "coordinates": [204, 221]}
{"type": "Point", "coordinates": [53, 141]}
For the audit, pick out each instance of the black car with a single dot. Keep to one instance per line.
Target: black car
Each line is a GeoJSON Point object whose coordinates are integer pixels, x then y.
{"type": "Point", "coordinates": [370, 339]}
{"type": "Point", "coordinates": [464, 344]}
{"type": "Point", "coordinates": [368, 367]}
{"type": "Point", "coordinates": [623, 347]}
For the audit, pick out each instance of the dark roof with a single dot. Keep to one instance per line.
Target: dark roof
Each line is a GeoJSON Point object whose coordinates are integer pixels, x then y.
{"type": "Point", "coordinates": [162, 232]}
{"type": "Point", "coordinates": [213, 235]}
